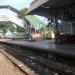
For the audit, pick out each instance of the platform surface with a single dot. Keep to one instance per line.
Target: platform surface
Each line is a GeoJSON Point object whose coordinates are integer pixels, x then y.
{"type": "Point", "coordinates": [47, 45]}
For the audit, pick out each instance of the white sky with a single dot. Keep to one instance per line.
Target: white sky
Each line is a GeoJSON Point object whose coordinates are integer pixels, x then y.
{"type": "Point", "coordinates": [18, 4]}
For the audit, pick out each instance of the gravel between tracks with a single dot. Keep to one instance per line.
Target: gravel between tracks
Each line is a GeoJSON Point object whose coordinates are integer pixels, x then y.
{"type": "Point", "coordinates": [7, 67]}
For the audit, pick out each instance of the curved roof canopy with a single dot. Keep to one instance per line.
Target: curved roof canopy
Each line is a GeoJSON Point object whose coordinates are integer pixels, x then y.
{"type": "Point", "coordinates": [34, 21]}
{"type": "Point", "coordinates": [50, 7]}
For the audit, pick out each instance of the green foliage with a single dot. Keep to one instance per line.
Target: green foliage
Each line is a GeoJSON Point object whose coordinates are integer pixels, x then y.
{"type": "Point", "coordinates": [47, 31]}
{"type": "Point", "coordinates": [22, 14]}
{"type": "Point", "coordinates": [12, 28]}
{"type": "Point", "coordinates": [5, 26]}
{"type": "Point", "coordinates": [20, 30]}
{"type": "Point", "coordinates": [48, 28]}
{"type": "Point", "coordinates": [22, 11]}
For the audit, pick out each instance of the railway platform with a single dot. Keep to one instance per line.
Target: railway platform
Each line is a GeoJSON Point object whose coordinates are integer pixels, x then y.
{"type": "Point", "coordinates": [49, 46]}
{"type": "Point", "coordinates": [51, 58]}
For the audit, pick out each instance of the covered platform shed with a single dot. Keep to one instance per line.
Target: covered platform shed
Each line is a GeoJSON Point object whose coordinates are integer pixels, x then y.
{"type": "Point", "coordinates": [50, 7]}
{"type": "Point", "coordinates": [63, 10]}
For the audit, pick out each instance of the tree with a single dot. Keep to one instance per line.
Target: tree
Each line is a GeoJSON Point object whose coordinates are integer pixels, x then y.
{"type": "Point", "coordinates": [20, 30]}
{"type": "Point", "coordinates": [22, 16]}
{"type": "Point", "coordinates": [5, 26]}
{"type": "Point", "coordinates": [23, 11]}
{"type": "Point", "coordinates": [47, 31]}
{"type": "Point", "coordinates": [12, 28]}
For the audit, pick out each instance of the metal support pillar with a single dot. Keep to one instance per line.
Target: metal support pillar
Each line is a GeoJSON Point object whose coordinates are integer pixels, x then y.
{"type": "Point", "coordinates": [56, 27]}
{"type": "Point", "coordinates": [55, 23]}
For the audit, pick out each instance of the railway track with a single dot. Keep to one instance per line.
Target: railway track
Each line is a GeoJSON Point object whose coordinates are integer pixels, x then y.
{"type": "Point", "coordinates": [7, 67]}
{"type": "Point", "coordinates": [20, 65]}
{"type": "Point", "coordinates": [46, 67]}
